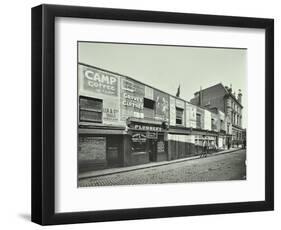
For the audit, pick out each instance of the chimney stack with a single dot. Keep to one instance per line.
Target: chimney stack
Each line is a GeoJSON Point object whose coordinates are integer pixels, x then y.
{"type": "Point", "coordinates": [230, 89]}
{"type": "Point", "coordinates": [200, 97]}
{"type": "Point", "coordinates": [239, 96]}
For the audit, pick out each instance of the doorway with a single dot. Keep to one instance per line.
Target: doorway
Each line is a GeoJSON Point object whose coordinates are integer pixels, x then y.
{"type": "Point", "coordinates": [152, 149]}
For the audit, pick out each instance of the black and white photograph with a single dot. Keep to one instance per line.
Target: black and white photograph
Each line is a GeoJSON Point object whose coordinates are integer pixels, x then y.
{"type": "Point", "coordinates": [154, 114]}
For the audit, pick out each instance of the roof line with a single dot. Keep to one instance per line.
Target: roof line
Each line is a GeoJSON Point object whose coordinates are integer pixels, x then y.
{"type": "Point", "coordinates": [122, 75]}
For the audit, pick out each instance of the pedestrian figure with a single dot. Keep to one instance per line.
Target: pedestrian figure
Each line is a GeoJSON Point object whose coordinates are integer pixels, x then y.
{"type": "Point", "coordinates": [204, 147]}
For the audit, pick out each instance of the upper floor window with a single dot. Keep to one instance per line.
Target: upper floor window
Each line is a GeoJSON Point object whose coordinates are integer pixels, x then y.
{"type": "Point", "coordinates": [222, 125]}
{"type": "Point", "coordinates": [149, 108]}
{"type": "Point", "coordinates": [214, 126]}
{"type": "Point", "coordinates": [198, 120]}
{"type": "Point", "coordinates": [90, 109]}
{"type": "Point", "coordinates": [179, 116]}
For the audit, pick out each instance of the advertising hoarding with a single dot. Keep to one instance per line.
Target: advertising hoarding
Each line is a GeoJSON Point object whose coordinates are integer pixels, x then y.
{"type": "Point", "coordinates": [161, 105]}
{"type": "Point", "coordinates": [131, 99]}
{"type": "Point", "coordinates": [99, 81]}
{"type": "Point", "coordinates": [99, 84]}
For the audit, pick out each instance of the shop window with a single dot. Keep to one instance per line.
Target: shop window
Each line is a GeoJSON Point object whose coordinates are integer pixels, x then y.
{"type": "Point", "coordinates": [90, 109]}
{"type": "Point", "coordinates": [149, 108]}
{"type": "Point", "coordinates": [179, 116]}
{"type": "Point", "coordinates": [198, 120]}
{"type": "Point", "coordinates": [138, 142]}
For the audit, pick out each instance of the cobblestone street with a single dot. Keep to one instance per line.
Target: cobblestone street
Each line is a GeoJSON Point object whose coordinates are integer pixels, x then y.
{"type": "Point", "coordinates": [229, 166]}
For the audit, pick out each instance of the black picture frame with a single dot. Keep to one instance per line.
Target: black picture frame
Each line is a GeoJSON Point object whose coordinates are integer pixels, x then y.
{"type": "Point", "coordinates": [43, 114]}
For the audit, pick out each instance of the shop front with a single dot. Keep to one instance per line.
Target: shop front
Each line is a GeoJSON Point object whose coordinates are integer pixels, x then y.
{"type": "Point", "coordinates": [100, 149]}
{"type": "Point", "coordinates": [147, 143]}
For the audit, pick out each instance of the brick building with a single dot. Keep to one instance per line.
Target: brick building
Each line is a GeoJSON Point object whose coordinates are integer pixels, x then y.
{"type": "Point", "coordinates": [222, 98]}
{"type": "Point", "coordinates": [124, 122]}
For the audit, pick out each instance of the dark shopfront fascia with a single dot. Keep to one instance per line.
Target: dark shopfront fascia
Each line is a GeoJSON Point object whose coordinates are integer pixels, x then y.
{"type": "Point", "coordinates": [146, 143]}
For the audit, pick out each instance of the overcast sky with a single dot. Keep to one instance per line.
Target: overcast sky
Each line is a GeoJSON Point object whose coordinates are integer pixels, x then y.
{"type": "Point", "coordinates": [165, 67]}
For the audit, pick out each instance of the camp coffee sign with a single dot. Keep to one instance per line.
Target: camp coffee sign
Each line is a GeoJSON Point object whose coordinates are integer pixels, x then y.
{"type": "Point", "coordinates": [100, 82]}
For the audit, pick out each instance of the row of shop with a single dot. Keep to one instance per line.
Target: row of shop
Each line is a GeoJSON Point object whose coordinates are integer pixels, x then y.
{"type": "Point", "coordinates": [122, 122]}
{"type": "Point", "coordinates": [101, 148]}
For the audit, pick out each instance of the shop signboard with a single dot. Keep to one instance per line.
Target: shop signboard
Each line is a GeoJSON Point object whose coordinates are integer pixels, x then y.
{"type": "Point", "coordinates": [131, 99]}
{"type": "Point", "coordinates": [147, 127]}
{"type": "Point", "coordinates": [139, 137]}
{"type": "Point", "coordinates": [161, 105]}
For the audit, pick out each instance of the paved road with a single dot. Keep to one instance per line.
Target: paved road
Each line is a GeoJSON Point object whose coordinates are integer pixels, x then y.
{"type": "Point", "coordinates": [229, 166]}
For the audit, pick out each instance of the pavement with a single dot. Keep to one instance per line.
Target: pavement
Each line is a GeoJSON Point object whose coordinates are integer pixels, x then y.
{"type": "Point", "coordinates": [105, 172]}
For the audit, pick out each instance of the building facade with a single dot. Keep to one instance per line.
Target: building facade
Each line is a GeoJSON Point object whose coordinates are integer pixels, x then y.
{"type": "Point", "coordinates": [123, 122]}
{"type": "Point", "coordinates": [221, 98]}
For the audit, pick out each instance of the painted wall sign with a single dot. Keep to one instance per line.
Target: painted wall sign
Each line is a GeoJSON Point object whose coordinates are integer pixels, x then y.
{"type": "Point", "coordinates": [99, 81]}
{"type": "Point", "coordinates": [110, 114]}
{"type": "Point", "coordinates": [131, 99]}
{"type": "Point", "coordinates": [161, 105]}
{"type": "Point", "coordinates": [102, 85]}
{"type": "Point", "coordinates": [110, 111]}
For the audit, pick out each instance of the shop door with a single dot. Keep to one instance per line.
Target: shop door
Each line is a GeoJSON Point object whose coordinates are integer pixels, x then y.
{"type": "Point", "coordinates": [113, 151]}
{"type": "Point", "coordinates": [152, 148]}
